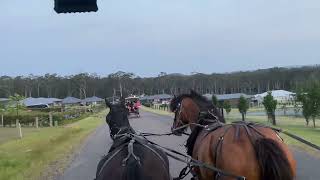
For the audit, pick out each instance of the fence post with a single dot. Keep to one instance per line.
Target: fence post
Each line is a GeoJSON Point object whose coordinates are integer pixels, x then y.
{"type": "Point", "coordinates": [20, 131]}
{"type": "Point", "coordinates": [2, 120]}
{"type": "Point", "coordinates": [37, 122]}
{"type": "Point", "coordinates": [50, 119]}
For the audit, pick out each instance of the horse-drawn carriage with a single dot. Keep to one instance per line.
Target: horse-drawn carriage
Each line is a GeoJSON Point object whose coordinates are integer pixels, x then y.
{"type": "Point", "coordinates": [133, 105]}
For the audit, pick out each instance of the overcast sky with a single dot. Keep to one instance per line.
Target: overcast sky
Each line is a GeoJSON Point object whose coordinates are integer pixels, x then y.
{"type": "Point", "coordinates": [150, 36]}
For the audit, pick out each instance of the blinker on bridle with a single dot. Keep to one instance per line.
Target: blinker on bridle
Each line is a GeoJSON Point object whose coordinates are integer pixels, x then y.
{"type": "Point", "coordinates": [179, 111]}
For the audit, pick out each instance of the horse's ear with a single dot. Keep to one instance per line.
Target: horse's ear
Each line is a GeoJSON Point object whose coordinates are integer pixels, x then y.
{"type": "Point", "coordinates": [108, 104]}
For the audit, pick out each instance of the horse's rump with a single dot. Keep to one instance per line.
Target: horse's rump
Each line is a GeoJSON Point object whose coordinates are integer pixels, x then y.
{"type": "Point", "coordinates": [238, 148]}
{"type": "Point", "coordinates": [152, 164]}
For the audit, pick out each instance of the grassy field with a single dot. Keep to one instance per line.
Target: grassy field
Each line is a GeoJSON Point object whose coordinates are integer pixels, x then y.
{"type": "Point", "coordinates": [7, 134]}
{"type": "Point", "coordinates": [28, 158]}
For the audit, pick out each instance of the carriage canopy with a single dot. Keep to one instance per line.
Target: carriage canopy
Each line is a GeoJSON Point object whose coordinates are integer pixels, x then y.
{"type": "Point", "coordinates": [73, 6]}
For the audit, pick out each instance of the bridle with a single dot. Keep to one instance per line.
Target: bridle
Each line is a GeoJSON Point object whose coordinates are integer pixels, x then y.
{"type": "Point", "coordinates": [179, 109]}
{"type": "Point", "coordinates": [178, 112]}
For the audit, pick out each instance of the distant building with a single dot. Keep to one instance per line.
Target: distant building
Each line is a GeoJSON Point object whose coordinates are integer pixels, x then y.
{"type": "Point", "coordinates": [92, 100]}
{"type": "Point", "coordinates": [233, 99]}
{"type": "Point", "coordinates": [281, 96]}
{"type": "Point", "coordinates": [157, 99]}
{"type": "Point", "coordinates": [4, 101]}
{"type": "Point", "coordinates": [71, 101]}
{"type": "Point", "coordinates": [41, 102]}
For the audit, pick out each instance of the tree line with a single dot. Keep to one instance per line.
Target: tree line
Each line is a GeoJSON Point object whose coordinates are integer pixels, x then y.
{"type": "Point", "coordinates": [85, 84]}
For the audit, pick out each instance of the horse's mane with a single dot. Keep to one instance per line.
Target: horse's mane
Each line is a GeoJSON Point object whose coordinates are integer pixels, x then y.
{"type": "Point", "coordinates": [201, 101]}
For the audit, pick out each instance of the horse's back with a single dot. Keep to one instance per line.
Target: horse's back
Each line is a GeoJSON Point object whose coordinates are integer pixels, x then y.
{"type": "Point", "coordinates": [233, 151]}
{"type": "Point", "coordinates": [151, 164]}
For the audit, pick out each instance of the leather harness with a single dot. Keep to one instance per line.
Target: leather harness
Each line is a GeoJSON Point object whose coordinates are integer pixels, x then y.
{"type": "Point", "coordinates": [212, 124]}
{"type": "Point", "coordinates": [121, 141]}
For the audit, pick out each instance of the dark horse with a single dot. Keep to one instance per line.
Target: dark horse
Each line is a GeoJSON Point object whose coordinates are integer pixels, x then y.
{"type": "Point", "coordinates": [130, 157]}
{"type": "Point", "coordinates": [241, 148]}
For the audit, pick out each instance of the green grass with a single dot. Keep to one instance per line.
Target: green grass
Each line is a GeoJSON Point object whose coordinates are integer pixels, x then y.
{"type": "Point", "coordinates": [7, 134]}
{"type": "Point", "coordinates": [28, 158]}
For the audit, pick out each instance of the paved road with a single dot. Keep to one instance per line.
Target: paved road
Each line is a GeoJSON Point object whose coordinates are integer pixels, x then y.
{"type": "Point", "coordinates": [83, 166]}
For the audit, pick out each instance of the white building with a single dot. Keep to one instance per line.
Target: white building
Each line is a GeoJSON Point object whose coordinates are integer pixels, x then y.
{"type": "Point", "coordinates": [281, 96]}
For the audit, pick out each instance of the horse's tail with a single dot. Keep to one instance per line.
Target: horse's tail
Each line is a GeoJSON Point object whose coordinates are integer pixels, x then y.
{"type": "Point", "coordinates": [133, 170]}
{"type": "Point", "coordinates": [272, 160]}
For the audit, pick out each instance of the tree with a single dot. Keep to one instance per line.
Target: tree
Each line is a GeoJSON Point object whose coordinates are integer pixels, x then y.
{"type": "Point", "coordinates": [227, 106]}
{"type": "Point", "coordinates": [310, 100]}
{"type": "Point", "coordinates": [270, 105]}
{"type": "Point", "coordinates": [306, 108]}
{"type": "Point", "coordinates": [16, 101]}
{"type": "Point", "coordinates": [214, 100]}
{"type": "Point", "coordinates": [243, 107]}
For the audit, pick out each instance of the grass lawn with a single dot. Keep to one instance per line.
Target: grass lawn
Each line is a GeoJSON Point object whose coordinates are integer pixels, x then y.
{"type": "Point", "coordinates": [28, 158]}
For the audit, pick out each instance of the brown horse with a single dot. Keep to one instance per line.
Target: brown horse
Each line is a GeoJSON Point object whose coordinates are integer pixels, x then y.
{"type": "Point", "coordinates": [244, 149]}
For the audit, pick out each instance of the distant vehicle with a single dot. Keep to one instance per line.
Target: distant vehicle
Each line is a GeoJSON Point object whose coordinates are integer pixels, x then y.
{"type": "Point", "coordinates": [133, 105]}
{"type": "Point", "coordinates": [165, 102]}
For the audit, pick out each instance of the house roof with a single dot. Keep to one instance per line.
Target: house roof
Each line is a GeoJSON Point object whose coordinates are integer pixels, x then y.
{"type": "Point", "coordinates": [71, 100]}
{"type": "Point", "coordinates": [157, 96]}
{"type": "Point", "coordinates": [39, 101]}
{"type": "Point", "coordinates": [92, 99]}
{"type": "Point", "coordinates": [228, 96]}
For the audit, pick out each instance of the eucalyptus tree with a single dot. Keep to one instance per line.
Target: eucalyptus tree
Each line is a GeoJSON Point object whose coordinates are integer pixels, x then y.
{"type": "Point", "coordinates": [310, 99]}
{"type": "Point", "coordinates": [15, 101]}
{"type": "Point", "coordinates": [243, 107]}
{"type": "Point", "coordinates": [270, 105]}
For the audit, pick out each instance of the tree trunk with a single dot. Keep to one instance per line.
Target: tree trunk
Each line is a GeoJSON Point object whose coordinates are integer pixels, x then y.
{"type": "Point", "coordinates": [314, 122]}
{"type": "Point", "coordinates": [274, 119]}
{"type": "Point", "coordinates": [242, 116]}
{"type": "Point", "coordinates": [307, 121]}
{"type": "Point", "coordinates": [222, 112]}
{"type": "Point", "coordinates": [269, 117]}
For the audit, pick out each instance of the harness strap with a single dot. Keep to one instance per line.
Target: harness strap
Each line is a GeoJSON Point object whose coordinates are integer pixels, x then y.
{"type": "Point", "coordinates": [218, 149]}
{"type": "Point", "coordinates": [114, 153]}
{"type": "Point", "coordinates": [188, 160]}
{"type": "Point", "coordinates": [131, 153]}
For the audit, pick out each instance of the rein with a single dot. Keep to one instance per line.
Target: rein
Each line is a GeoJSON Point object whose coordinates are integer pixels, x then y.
{"type": "Point", "coordinates": [169, 152]}
{"type": "Point", "coordinates": [189, 160]}
{"type": "Point", "coordinates": [173, 130]}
